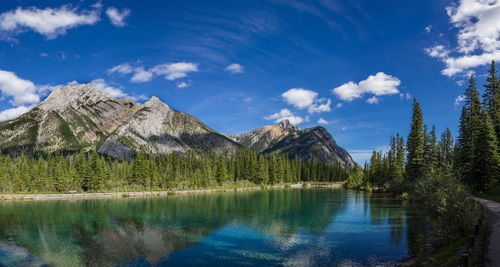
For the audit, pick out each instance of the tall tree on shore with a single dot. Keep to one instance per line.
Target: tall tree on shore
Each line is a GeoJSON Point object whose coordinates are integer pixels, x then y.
{"type": "Point", "coordinates": [415, 145]}
{"type": "Point", "coordinates": [445, 150]}
{"type": "Point", "coordinates": [491, 98]}
{"type": "Point", "coordinates": [431, 155]}
{"type": "Point", "coordinates": [486, 160]}
{"type": "Point", "coordinates": [469, 128]}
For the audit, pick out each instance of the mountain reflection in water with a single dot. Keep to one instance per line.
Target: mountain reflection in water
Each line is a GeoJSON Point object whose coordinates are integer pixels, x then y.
{"type": "Point", "coordinates": [275, 227]}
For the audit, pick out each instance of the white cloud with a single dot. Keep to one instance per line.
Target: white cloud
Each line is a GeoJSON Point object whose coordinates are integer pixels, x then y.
{"type": "Point", "coordinates": [171, 71]}
{"type": "Point", "coordinates": [437, 51]}
{"type": "Point", "coordinates": [322, 105]}
{"type": "Point", "coordinates": [459, 100]}
{"type": "Point", "coordinates": [339, 105]}
{"type": "Point", "coordinates": [372, 100]}
{"type": "Point", "coordinates": [285, 114]}
{"type": "Point", "coordinates": [379, 84]}
{"type": "Point", "coordinates": [22, 91]}
{"type": "Point", "coordinates": [141, 75]}
{"type": "Point", "coordinates": [322, 121]}
{"type": "Point", "coordinates": [49, 22]}
{"type": "Point", "coordinates": [428, 28]}
{"type": "Point", "coordinates": [183, 85]}
{"type": "Point", "coordinates": [478, 38]}
{"type": "Point", "coordinates": [116, 17]}
{"type": "Point", "coordinates": [299, 97]}
{"type": "Point", "coordinates": [343, 128]}
{"type": "Point", "coordinates": [235, 68]}
{"type": "Point", "coordinates": [12, 113]}
{"type": "Point", "coordinates": [124, 68]}
{"type": "Point", "coordinates": [43, 54]}
{"type": "Point", "coordinates": [103, 86]}
{"type": "Point", "coordinates": [403, 96]}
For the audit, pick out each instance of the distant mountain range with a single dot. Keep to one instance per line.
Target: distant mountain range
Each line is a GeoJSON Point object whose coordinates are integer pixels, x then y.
{"type": "Point", "coordinates": [81, 118]}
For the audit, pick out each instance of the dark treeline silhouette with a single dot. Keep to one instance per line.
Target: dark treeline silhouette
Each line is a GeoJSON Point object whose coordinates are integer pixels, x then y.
{"type": "Point", "coordinates": [95, 173]}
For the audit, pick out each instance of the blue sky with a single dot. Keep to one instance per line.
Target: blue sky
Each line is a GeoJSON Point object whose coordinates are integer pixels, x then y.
{"type": "Point", "coordinates": [351, 66]}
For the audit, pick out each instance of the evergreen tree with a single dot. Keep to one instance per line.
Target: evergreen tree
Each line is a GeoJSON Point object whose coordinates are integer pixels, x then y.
{"type": "Point", "coordinates": [221, 172]}
{"type": "Point", "coordinates": [446, 149]}
{"type": "Point", "coordinates": [469, 129]}
{"type": "Point", "coordinates": [486, 160]}
{"type": "Point", "coordinates": [415, 145]}
{"type": "Point", "coordinates": [491, 98]}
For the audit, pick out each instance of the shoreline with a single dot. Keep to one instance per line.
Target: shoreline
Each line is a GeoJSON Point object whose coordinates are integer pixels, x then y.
{"type": "Point", "coordinates": [78, 196]}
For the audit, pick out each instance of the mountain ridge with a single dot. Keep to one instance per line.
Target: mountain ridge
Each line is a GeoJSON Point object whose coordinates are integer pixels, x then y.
{"type": "Point", "coordinates": [82, 118]}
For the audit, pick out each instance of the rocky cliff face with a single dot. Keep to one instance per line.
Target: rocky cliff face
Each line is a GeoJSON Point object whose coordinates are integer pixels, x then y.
{"type": "Point", "coordinates": [75, 118]}
{"type": "Point", "coordinates": [71, 118]}
{"type": "Point", "coordinates": [286, 138]}
{"type": "Point", "coordinates": [161, 130]}
{"type": "Point", "coordinates": [312, 141]}
{"type": "Point", "coordinates": [262, 138]}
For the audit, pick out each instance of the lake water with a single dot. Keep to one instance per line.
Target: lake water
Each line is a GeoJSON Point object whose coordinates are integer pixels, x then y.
{"type": "Point", "coordinates": [267, 228]}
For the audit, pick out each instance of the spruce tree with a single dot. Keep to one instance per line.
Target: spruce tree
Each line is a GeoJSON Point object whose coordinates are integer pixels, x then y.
{"type": "Point", "coordinates": [486, 160]}
{"type": "Point", "coordinates": [491, 98]}
{"type": "Point", "coordinates": [469, 128]}
{"type": "Point", "coordinates": [415, 145]}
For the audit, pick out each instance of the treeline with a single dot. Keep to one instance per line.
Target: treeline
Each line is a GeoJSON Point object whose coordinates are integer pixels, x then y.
{"type": "Point", "coordinates": [441, 172]}
{"type": "Point", "coordinates": [473, 159]}
{"type": "Point", "coordinates": [96, 173]}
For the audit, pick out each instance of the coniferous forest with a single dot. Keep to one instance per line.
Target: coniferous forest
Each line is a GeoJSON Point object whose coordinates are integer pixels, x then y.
{"type": "Point", "coordinates": [472, 159]}
{"type": "Point", "coordinates": [91, 172]}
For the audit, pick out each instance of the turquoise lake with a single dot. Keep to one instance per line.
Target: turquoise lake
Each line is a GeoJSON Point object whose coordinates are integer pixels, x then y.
{"type": "Point", "coordinates": [298, 227]}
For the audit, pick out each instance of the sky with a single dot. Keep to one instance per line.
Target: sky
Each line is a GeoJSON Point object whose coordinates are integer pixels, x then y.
{"type": "Point", "coordinates": [350, 66]}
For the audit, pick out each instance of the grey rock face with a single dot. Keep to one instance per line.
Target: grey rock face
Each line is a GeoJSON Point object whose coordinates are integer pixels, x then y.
{"type": "Point", "coordinates": [70, 118]}
{"type": "Point", "coordinates": [158, 129]}
{"type": "Point", "coordinates": [311, 141]}
{"type": "Point", "coordinates": [75, 118]}
{"type": "Point", "coordinates": [262, 138]}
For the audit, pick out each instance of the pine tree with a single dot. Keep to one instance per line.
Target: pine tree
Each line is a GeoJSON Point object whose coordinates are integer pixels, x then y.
{"type": "Point", "coordinates": [469, 129]}
{"type": "Point", "coordinates": [491, 98]}
{"type": "Point", "coordinates": [446, 151]}
{"type": "Point", "coordinates": [221, 172]}
{"type": "Point", "coordinates": [431, 154]}
{"type": "Point", "coordinates": [415, 145]}
{"type": "Point", "coordinates": [486, 161]}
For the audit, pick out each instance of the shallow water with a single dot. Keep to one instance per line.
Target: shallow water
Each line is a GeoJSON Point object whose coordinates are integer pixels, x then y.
{"type": "Point", "coordinates": [276, 227]}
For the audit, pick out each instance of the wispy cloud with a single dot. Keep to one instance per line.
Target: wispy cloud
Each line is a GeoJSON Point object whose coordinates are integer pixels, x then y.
{"type": "Point", "coordinates": [478, 38]}
{"type": "Point", "coordinates": [235, 68]}
{"type": "Point", "coordinates": [116, 17]}
{"type": "Point", "coordinates": [116, 92]}
{"type": "Point", "coordinates": [170, 71]}
{"type": "Point", "coordinates": [285, 114]}
{"type": "Point", "coordinates": [322, 121]}
{"type": "Point", "coordinates": [459, 99]}
{"type": "Point", "coordinates": [49, 22]}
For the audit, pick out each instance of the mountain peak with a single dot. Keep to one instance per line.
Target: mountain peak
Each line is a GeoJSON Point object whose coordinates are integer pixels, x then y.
{"type": "Point", "coordinates": [155, 102]}
{"type": "Point", "coordinates": [70, 94]}
{"type": "Point", "coordinates": [286, 124]}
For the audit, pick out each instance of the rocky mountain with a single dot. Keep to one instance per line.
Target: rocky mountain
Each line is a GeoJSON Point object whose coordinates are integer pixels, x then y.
{"type": "Point", "coordinates": [70, 118]}
{"type": "Point", "coordinates": [286, 138]}
{"type": "Point", "coordinates": [76, 118]}
{"type": "Point", "coordinates": [315, 141]}
{"type": "Point", "coordinates": [265, 137]}
{"type": "Point", "coordinates": [158, 128]}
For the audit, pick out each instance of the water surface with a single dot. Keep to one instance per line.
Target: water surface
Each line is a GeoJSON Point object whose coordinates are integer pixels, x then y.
{"type": "Point", "coordinates": [275, 227]}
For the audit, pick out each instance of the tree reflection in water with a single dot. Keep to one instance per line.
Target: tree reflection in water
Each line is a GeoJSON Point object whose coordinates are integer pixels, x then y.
{"type": "Point", "coordinates": [273, 227]}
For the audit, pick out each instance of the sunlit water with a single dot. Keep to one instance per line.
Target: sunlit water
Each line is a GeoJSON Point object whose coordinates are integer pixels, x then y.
{"type": "Point", "coordinates": [277, 227]}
